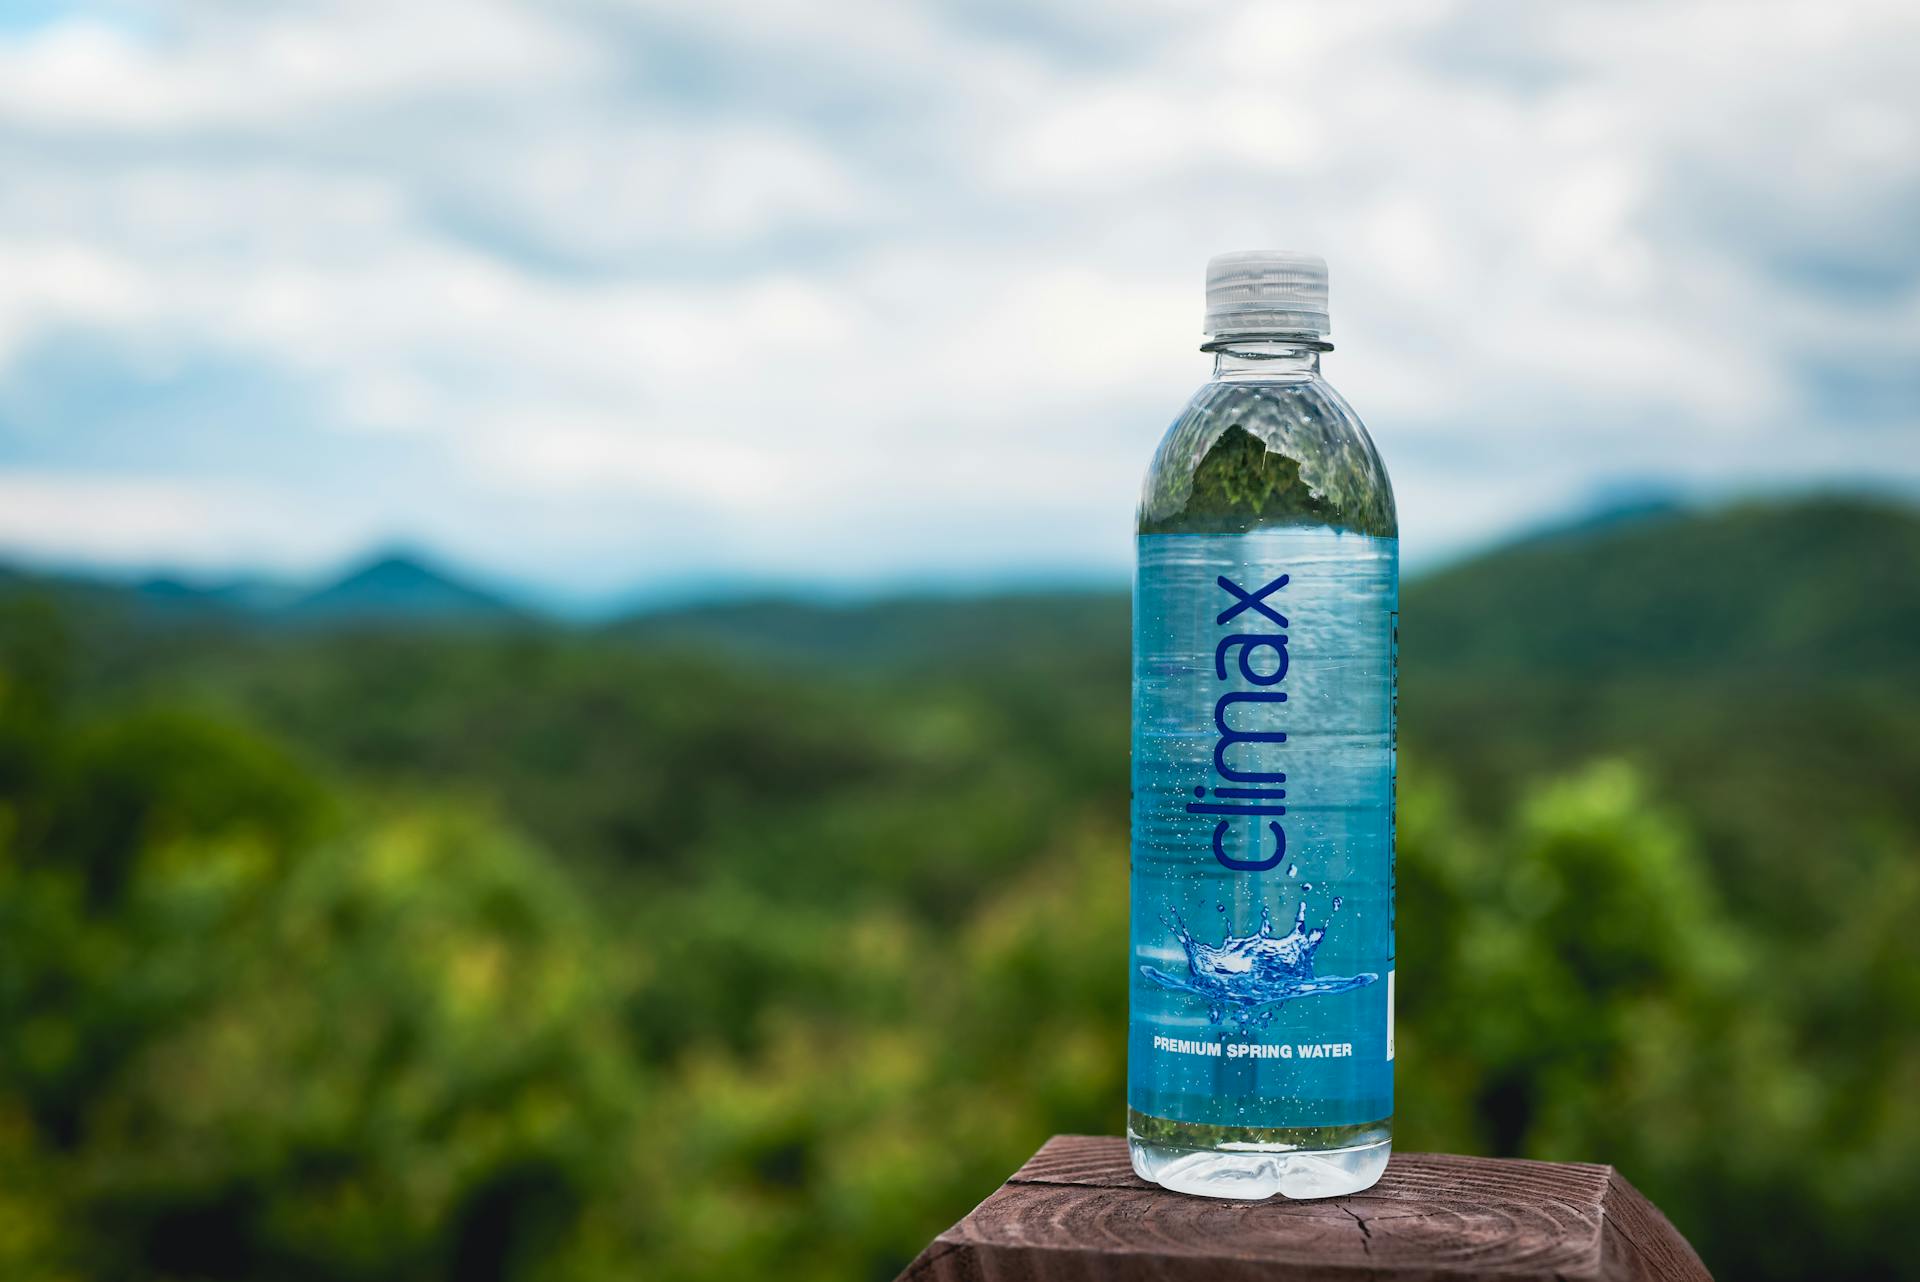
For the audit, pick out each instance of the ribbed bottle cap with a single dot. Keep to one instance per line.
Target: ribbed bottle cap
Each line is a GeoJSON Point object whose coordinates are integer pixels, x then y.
{"type": "Point", "coordinates": [1266, 291]}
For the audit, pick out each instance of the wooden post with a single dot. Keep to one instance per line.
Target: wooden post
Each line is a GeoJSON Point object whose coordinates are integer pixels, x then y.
{"type": "Point", "coordinates": [1077, 1211]}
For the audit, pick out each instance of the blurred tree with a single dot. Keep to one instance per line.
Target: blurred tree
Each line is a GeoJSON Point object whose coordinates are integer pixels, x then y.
{"type": "Point", "coordinates": [534, 954]}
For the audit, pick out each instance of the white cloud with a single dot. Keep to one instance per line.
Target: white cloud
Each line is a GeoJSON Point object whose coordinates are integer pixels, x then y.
{"type": "Point", "coordinates": [260, 67]}
{"type": "Point", "coordinates": [149, 522]}
{"type": "Point", "coordinates": [894, 269]}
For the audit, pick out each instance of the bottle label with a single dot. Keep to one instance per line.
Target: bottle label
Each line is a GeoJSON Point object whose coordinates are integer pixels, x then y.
{"type": "Point", "coordinates": [1263, 783]}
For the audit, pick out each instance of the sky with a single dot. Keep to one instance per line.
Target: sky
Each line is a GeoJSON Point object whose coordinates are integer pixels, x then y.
{"type": "Point", "coordinates": [606, 297]}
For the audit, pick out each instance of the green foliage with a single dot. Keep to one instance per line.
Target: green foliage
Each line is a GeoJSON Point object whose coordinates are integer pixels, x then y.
{"type": "Point", "coordinates": [387, 954]}
{"type": "Point", "coordinates": [1810, 592]}
{"type": "Point", "coordinates": [1240, 484]}
{"type": "Point", "coordinates": [1760, 664]}
{"type": "Point", "coordinates": [1242, 455]}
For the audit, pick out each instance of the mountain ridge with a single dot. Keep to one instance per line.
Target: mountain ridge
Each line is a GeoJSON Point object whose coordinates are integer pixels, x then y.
{"type": "Point", "coordinates": [395, 586]}
{"type": "Point", "coordinates": [1657, 586]}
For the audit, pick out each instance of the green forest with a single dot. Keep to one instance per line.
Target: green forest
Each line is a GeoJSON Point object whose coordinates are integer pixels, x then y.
{"type": "Point", "coordinates": [764, 938]}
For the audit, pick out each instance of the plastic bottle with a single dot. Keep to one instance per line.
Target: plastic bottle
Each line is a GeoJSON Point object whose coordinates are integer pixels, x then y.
{"type": "Point", "coordinates": [1260, 1055]}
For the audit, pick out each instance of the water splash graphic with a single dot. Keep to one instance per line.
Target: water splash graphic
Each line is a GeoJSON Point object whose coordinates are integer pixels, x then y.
{"type": "Point", "coordinates": [1245, 977]}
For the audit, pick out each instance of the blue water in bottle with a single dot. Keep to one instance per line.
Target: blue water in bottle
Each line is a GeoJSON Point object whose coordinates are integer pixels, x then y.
{"type": "Point", "coordinates": [1265, 645]}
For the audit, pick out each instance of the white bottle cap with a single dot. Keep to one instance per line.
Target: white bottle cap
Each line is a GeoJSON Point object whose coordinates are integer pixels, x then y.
{"type": "Point", "coordinates": [1266, 291]}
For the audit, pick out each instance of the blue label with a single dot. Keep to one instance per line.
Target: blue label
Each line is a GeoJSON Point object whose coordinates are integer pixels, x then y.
{"type": "Point", "coordinates": [1263, 781]}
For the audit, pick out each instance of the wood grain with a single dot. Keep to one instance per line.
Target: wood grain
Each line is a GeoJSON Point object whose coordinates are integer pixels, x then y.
{"type": "Point", "coordinates": [1076, 1211]}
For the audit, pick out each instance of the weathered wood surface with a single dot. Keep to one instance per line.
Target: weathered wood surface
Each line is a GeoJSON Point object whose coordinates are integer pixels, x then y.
{"type": "Point", "coordinates": [1077, 1211]}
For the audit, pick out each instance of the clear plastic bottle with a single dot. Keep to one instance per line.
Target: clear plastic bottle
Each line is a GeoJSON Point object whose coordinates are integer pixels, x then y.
{"type": "Point", "coordinates": [1260, 1054]}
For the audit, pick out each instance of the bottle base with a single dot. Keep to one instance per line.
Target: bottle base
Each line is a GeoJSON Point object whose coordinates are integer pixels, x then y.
{"type": "Point", "coordinates": [1251, 1169]}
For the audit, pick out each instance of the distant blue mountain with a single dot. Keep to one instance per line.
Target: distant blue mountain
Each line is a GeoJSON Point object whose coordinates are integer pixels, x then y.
{"type": "Point", "coordinates": [1633, 508]}
{"type": "Point", "coordinates": [398, 587]}
{"type": "Point", "coordinates": [1670, 576]}
{"type": "Point", "coordinates": [244, 596]}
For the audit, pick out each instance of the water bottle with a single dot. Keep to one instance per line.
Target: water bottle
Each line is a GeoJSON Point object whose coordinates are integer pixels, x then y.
{"type": "Point", "coordinates": [1265, 644]}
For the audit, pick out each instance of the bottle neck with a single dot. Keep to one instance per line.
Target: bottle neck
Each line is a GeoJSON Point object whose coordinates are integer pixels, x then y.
{"type": "Point", "coordinates": [1267, 355]}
